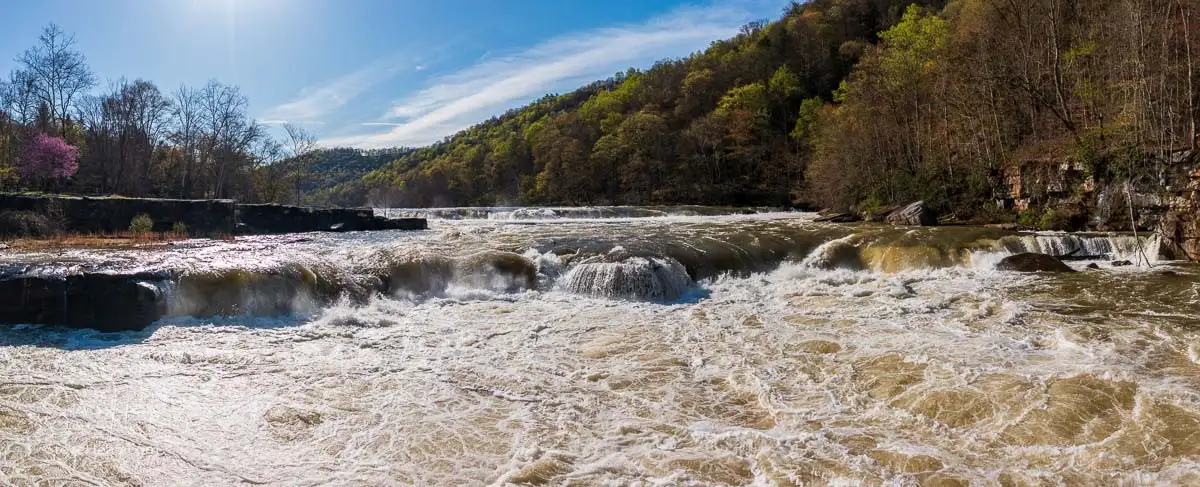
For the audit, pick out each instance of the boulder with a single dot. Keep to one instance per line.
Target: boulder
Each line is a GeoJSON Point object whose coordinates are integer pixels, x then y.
{"type": "Point", "coordinates": [913, 215]}
{"type": "Point", "coordinates": [1093, 266]}
{"type": "Point", "coordinates": [1030, 262]}
{"type": "Point", "coordinates": [106, 302]}
{"type": "Point", "coordinates": [1121, 263]}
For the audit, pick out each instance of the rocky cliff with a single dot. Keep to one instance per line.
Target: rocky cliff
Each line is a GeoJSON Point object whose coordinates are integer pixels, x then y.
{"type": "Point", "coordinates": [1065, 194]}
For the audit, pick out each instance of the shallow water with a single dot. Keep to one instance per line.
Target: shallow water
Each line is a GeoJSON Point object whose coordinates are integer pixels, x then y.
{"type": "Point", "coordinates": [798, 354]}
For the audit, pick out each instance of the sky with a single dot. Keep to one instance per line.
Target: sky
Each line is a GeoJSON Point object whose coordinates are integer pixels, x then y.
{"type": "Point", "coordinates": [378, 73]}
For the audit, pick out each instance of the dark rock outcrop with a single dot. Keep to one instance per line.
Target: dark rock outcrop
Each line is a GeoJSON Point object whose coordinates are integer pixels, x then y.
{"type": "Point", "coordinates": [82, 214]}
{"type": "Point", "coordinates": [914, 215]}
{"type": "Point", "coordinates": [837, 218]}
{"type": "Point", "coordinates": [1030, 262]}
{"type": "Point", "coordinates": [106, 215]}
{"type": "Point", "coordinates": [106, 302]}
{"type": "Point", "coordinates": [271, 218]}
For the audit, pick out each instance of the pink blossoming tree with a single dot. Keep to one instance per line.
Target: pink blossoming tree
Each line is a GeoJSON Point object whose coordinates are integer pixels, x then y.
{"type": "Point", "coordinates": [47, 158]}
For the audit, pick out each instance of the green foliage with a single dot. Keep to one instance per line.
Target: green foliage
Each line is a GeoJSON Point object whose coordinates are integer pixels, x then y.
{"type": "Point", "coordinates": [1054, 220]}
{"type": "Point", "coordinates": [1047, 219]}
{"type": "Point", "coordinates": [784, 84]}
{"type": "Point", "coordinates": [913, 44]}
{"type": "Point", "coordinates": [179, 228]}
{"type": "Point", "coordinates": [810, 110]}
{"type": "Point", "coordinates": [141, 224]}
{"type": "Point", "coordinates": [1030, 218]}
{"type": "Point", "coordinates": [870, 206]}
{"type": "Point", "coordinates": [751, 98]}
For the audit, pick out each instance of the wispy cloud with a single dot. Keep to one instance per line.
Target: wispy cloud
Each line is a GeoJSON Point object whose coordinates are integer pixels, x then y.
{"type": "Point", "coordinates": [453, 102]}
{"type": "Point", "coordinates": [316, 101]}
{"type": "Point", "coordinates": [278, 121]}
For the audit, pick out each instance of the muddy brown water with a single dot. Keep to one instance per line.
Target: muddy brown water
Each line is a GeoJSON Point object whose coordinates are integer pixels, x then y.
{"type": "Point", "coordinates": [801, 354]}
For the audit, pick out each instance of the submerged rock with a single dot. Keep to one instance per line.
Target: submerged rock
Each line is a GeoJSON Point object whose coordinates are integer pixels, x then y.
{"type": "Point", "coordinates": [619, 276]}
{"type": "Point", "coordinates": [1121, 263]}
{"type": "Point", "coordinates": [1030, 262]}
{"type": "Point", "coordinates": [914, 215]}
{"type": "Point", "coordinates": [1093, 266]}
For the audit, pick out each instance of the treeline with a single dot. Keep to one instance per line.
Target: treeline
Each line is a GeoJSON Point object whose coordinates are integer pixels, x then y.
{"type": "Point", "coordinates": [313, 172]}
{"type": "Point", "coordinates": [59, 132]}
{"type": "Point", "coordinates": [947, 100]}
{"type": "Point", "coordinates": [728, 125]}
{"type": "Point", "coordinates": [842, 103]}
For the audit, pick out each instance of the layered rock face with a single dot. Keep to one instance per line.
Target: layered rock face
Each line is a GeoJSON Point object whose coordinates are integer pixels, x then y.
{"type": "Point", "coordinates": [1180, 224]}
{"type": "Point", "coordinates": [1168, 205]}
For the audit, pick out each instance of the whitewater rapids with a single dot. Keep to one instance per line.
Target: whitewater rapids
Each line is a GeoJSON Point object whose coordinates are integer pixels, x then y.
{"type": "Point", "coordinates": [650, 349]}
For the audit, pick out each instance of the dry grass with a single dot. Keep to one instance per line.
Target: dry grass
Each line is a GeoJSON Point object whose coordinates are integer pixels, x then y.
{"type": "Point", "coordinates": [120, 240]}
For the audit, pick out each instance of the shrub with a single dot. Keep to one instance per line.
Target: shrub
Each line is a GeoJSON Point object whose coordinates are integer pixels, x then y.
{"type": "Point", "coordinates": [179, 228]}
{"type": "Point", "coordinates": [1029, 218]}
{"type": "Point", "coordinates": [141, 224]}
{"type": "Point", "coordinates": [1047, 219]}
{"type": "Point", "coordinates": [1055, 220]}
{"type": "Point", "coordinates": [26, 224]}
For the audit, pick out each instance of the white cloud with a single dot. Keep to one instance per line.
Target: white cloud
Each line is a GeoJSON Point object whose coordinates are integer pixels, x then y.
{"type": "Point", "coordinates": [315, 101]}
{"type": "Point", "coordinates": [458, 100]}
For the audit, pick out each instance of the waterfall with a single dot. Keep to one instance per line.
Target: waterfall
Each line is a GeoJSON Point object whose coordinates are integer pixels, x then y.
{"type": "Point", "coordinates": [634, 278]}
{"type": "Point", "coordinates": [1099, 247]}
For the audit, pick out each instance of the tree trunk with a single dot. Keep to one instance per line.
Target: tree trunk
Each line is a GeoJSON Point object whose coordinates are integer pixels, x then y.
{"type": "Point", "coordinates": [1185, 17]}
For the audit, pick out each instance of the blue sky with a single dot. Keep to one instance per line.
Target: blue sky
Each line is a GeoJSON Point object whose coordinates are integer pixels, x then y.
{"type": "Point", "coordinates": [378, 73]}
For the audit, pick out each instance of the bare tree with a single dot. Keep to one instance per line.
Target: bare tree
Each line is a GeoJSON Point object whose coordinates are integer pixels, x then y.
{"type": "Point", "coordinates": [139, 110]}
{"type": "Point", "coordinates": [17, 97]}
{"type": "Point", "coordinates": [303, 143]}
{"type": "Point", "coordinates": [229, 134]}
{"type": "Point", "coordinates": [186, 119]}
{"type": "Point", "coordinates": [59, 72]}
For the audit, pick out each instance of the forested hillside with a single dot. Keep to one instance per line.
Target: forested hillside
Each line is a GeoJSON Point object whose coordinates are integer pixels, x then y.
{"type": "Point", "coordinates": [841, 103]}
{"type": "Point", "coordinates": [321, 168]}
{"type": "Point", "coordinates": [730, 125]}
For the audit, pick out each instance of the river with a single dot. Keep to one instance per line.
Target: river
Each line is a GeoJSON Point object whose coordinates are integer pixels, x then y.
{"type": "Point", "coordinates": [619, 347]}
